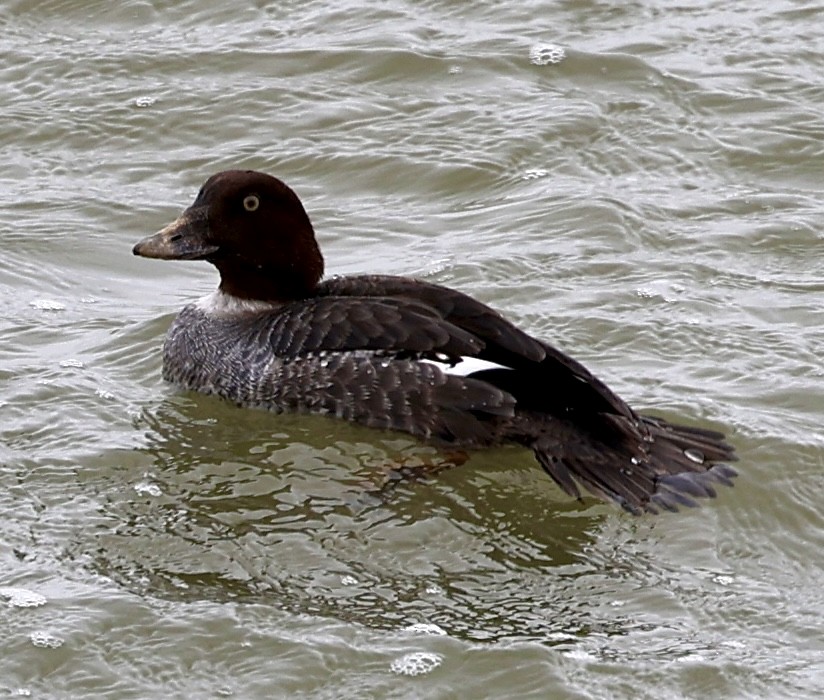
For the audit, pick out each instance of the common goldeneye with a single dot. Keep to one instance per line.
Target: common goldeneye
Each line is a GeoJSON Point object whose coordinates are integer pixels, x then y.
{"type": "Point", "coordinates": [387, 352]}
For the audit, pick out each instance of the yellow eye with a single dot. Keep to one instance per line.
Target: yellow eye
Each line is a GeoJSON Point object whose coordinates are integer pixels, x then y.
{"type": "Point", "coordinates": [251, 202]}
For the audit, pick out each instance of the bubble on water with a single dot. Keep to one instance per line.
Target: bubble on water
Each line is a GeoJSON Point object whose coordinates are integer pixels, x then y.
{"type": "Point", "coordinates": [47, 305]}
{"type": "Point", "coordinates": [733, 644]}
{"type": "Point", "coordinates": [560, 637]}
{"type": "Point", "coordinates": [71, 363]}
{"type": "Point", "coordinates": [434, 589]}
{"type": "Point", "coordinates": [45, 640]}
{"type": "Point", "coordinates": [660, 289]}
{"type": "Point", "coordinates": [545, 54]}
{"type": "Point", "coordinates": [534, 174]}
{"type": "Point", "coordinates": [348, 580]}
{"type": "Point", "coordinates": [24, 692]}
{"type": "Point", "coordinates": [88, 300]}
{"type": "Point", "coordinates": [144, 101]}
{"type": "Point", "coordinates": [148, 488]}
{"type": "Point", "coordinates": [425, 628]}
{"type": "Point", "coordinates": [21, 597]}
{"type": "Point", "coordinates": [103, 394]}
{"type": "Point", "coordinates": [454, 70]}
{"type": "Point", "coordinates": [579, 655]}
{"type": "Point", "coordinates": [416, 664]}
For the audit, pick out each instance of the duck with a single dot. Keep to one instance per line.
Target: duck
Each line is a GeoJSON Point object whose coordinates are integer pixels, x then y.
{"type": "Point", "coordinates": [401, 354]}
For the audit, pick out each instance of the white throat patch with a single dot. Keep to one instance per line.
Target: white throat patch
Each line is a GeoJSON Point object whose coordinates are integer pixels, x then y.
{"type": "Point", "coordinates": [219, 303]}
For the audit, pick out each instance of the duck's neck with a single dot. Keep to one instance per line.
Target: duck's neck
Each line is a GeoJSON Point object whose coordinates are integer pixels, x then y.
{"type": "Point", "coordinates": [278, 282]}
{"type": "Point", "coordinates": [224, 305]}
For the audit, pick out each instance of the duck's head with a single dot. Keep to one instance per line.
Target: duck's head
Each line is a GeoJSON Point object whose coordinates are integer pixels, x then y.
{"type": "Point", "coordinates": [254, 229]}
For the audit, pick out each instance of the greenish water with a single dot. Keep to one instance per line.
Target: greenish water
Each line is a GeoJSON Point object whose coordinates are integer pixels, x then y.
{"type": "Point", "coordinates": [651, 203]}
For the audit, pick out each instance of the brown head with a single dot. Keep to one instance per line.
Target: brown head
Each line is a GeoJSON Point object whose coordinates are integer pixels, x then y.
{"type": "Point", "coordinates": [254, 229]}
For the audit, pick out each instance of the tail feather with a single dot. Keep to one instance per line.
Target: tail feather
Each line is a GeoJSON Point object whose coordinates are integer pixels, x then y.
{"type": "Point", "coordinates": [645, 466]}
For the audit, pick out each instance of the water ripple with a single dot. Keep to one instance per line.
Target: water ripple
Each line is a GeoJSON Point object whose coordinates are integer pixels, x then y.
{"type": "Point", "coordinates": [639, 184]}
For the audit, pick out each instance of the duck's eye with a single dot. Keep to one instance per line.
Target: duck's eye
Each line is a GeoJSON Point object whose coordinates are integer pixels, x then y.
{"type": "Point", "coordinates": [251, 202]}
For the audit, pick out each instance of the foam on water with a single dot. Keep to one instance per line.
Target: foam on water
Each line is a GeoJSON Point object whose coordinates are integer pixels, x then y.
{"type": "Point", "coordinates": [425, 628]}
{"type": "Point", "coordinates": [47, 305]}
{"type": "Point", "coordinates": [545, 54]}
{"type": "Point", "coordinates": [21, 597]}
{"type": "Point", "coordinates": [416, 663]}
{"type": "Point", "coordinates": [45, 640]}
{"type": "Point", "coordinates": [148, 488]}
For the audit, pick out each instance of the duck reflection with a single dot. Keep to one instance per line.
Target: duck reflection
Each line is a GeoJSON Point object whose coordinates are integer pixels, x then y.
{"type": "Point", "coordinates": [240, 504]}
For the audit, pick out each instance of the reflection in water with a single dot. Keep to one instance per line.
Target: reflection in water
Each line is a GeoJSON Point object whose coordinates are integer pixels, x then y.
{"type": "Point", "coordinates": [231, 509]}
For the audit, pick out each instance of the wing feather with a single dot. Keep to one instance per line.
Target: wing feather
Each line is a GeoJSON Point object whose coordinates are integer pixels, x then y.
{"type": "Point", "coordinates": [338, 324]}
{"type": "Point", "coordinates": [564, 383]}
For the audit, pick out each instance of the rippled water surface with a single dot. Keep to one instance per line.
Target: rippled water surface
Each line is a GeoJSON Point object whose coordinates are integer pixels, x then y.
{"type": "Point", "coordinates": [639, 183]}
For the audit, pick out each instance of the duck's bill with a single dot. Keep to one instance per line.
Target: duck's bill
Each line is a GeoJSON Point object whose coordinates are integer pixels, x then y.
{"type": "Point", "coordinates": [183, 239]}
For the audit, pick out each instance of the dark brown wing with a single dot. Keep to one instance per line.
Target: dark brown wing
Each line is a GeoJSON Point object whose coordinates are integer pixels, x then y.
{"type": "Point", "coordinates": [502, 338]}
{"type": "Point", "coordinates": [564, 384]}
{"type": "Point", "coordinates": [338, 324]}
{"type": "Point", "coordinates": [341, 341]}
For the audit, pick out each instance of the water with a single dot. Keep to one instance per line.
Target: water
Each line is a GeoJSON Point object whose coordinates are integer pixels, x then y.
{"type": "Point", "coordinates": [651, 202]}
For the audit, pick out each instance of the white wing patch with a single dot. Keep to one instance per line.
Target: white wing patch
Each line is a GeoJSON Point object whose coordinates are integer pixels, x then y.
{"type": "Point", "coordinates": [466, 366]}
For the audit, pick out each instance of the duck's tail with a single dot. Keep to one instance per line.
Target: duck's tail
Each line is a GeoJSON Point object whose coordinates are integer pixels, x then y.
{"type": "Point", "coordinates": [646, 465]}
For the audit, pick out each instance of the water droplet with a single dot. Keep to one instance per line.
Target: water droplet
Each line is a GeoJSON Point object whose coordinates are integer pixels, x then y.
{"type": "Point", "coordinates": [544, 54]}
{"type": "Point", "coordinates": [415, 664]}
{"type": "Point", "coordinates": [695, 455]}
